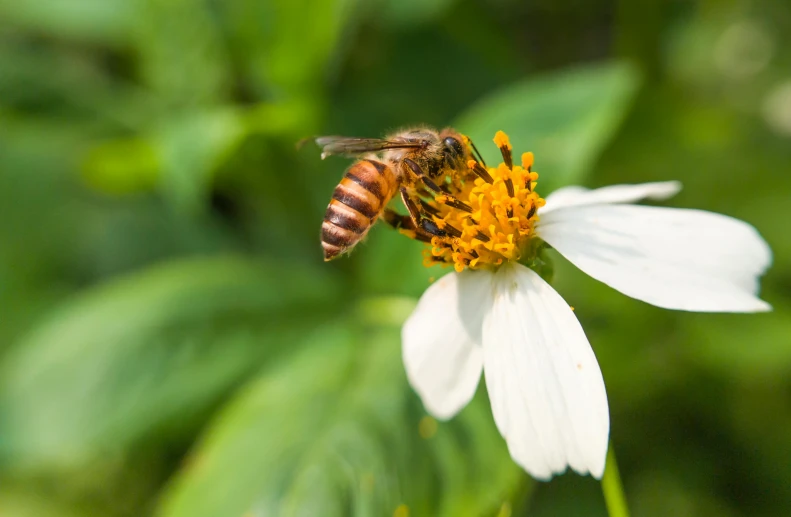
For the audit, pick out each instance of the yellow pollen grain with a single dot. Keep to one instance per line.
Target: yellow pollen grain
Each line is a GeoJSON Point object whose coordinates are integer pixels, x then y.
{"type": "Point", "coordinates": [527, 160]}
{"type": "Point", "coordinates": [501, 140]}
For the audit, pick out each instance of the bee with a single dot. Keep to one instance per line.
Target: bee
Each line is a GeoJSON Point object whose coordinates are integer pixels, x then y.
{"type": "Point", "coordinates": [414, 164]}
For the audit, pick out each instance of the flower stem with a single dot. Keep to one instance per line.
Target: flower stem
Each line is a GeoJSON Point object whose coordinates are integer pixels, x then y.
{"type": "Point", "coordinates": [612, 487]}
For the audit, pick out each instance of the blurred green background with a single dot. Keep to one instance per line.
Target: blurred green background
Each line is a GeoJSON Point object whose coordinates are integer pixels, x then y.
{"type": "Point", "coordinates": [172, 344]}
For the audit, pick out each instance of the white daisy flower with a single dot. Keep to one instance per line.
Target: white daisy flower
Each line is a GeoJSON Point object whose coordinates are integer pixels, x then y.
{"type": "Point", "coordinates": [498, 317]}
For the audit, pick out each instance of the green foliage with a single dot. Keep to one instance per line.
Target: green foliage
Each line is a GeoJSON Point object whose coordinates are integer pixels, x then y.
{"type": "Point", "coordinates": [181, 52]}
{"type": "Point", "coordinates": [285, 46]}
{"type": "Point", "coordinates": [410, 12]}
{"type": "Point", "coordinates": [192, 147]}
{"type": "Point", "coordinates": [149, 351]}
{"type": "Point", "coordinates": [106, 21]}
{"type": "Point", "coordinates": [566, 119]}
{"type": "Point", "coordinates": [342, 438]}
{"type": "Point", "coordinates": [123, 166]}
{"type": "Point", "coordinates": [729, 347]}
{"type": "Point", "coordinates": [21, 503]}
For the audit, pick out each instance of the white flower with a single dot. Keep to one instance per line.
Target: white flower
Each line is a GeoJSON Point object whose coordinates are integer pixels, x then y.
{"type": "Point", "coordinates": [544, 383]}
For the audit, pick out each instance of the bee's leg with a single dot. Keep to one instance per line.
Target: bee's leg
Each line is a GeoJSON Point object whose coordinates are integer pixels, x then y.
{"type": "Point", "coordinates": [398, 221]}
{"type": "Point", "coordinates": [405, 222]}
{"type": "Point", "coordinates": [418, 219]}
{"type": "Point", "coordinates": [425, 223]}
{"type": "Point", "coordinates": [450, 200]}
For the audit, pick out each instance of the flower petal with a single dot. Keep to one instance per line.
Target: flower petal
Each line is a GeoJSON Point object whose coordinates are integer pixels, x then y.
{"type": "Point", "coordinates": [441, 341]}
{"type": "Point", "coordinates": [578, 196]}
{"type": "Point", "coordinates": [669, 257]}
{"type": "Point", "coordinates": [545, 386]}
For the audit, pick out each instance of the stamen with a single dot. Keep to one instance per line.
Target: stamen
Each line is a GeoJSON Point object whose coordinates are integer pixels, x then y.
{"type": "Point", "coordinates": [527, 164]}
{"type": "Point", "coordinates": [454, 203]}
{"type": "Point", "coordinates": [501, 141]}
{"type": "Point", "coordinates": [452, 231]}
{"type": "Point", "coordinates": [527, 161]}
{"type": "Point", "coordinates": [479, 171]}
{"type": "Point", "coordinates": [532, 211]}
{"type": "Point", "coordinates": [482, 237]}
{"type": "Point", "coordinates": [509, 184]}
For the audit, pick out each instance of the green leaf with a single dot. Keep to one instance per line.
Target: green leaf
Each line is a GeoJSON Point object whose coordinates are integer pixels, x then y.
{"type": "Point", "coordinates": [148, 353]}
{"type": "Point", "coordinates": [180, 157]}
{"type": "Point", "coordinates": [192, 147]}
{"type": "Point", "coordinates": [727, 344]}
{"type": "Point", "coordinates": [16, 502]}
{"type": "Point", "coordinates": [182, 53]}
{"type": "Point", "coordinates": [391, 263]}
{"type": "Point", "coordinates": [105, 21]}
{"type": "Point", "coordinates": [471, 458]}
{"type": "Point", "coordinates": [43, 222]}
{"type": "Point", "coordinates": [72, 83]}
{"type": "Point", "coordinates": [286, 45]}
{"type": "Point", "coordinates": [301, 427]}
{"type": "Point", "coordinates": [565, 118]}
{"type": "Point", "coordinates": [122, 166]}
{"type": "Point", "coordinates": [407, 13]}
{"type": "Point", "coordinates": [335, 431]}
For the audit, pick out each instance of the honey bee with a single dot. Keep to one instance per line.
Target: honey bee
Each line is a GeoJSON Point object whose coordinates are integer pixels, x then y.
{"type": "Point", "coordinates": [415, 163]}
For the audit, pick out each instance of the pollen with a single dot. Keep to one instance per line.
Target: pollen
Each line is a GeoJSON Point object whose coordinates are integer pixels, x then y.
{"type": "Point", "coordinates": [501, 140]}
{"type": "Point", "coordinates": [503, 212]}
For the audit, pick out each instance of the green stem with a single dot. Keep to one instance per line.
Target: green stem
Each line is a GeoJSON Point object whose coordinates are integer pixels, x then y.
{"type": "Point", "coordinates": [612, 487]}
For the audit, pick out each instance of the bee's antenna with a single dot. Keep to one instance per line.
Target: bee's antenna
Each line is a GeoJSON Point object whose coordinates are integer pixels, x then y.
{"type": "Point", "coordinates": [477, 153]}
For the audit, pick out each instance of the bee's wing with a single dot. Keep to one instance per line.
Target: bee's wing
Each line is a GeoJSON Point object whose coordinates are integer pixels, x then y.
{"type": "Point", "coordinates": [348, 146]}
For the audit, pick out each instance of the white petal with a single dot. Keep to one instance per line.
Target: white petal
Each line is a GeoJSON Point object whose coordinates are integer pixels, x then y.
{"type": "Point", "coordinates": [545, 386]}
{"type": "Point", "coordinates": [674, 258]}
{"type": "Point", "coordinates": [441, 341]}
{"type": "Point", "coordinates": [578, 196]}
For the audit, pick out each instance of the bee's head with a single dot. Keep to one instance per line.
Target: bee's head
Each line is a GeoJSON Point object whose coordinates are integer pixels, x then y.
{"type": "Point", "coordinates": [453, 149]}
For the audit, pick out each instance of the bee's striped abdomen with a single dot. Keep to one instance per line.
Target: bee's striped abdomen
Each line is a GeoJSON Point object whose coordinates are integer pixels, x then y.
{"type": "Point", "coordinates": [356, 203]}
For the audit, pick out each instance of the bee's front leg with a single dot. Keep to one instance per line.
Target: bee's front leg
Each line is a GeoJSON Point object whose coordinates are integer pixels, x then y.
{"type": "Point", "coordinates": [447, 198]}
{"type": "Point", "coordinates": [420, 220]}
{"type": "Point", "coordinates": [405, 222]}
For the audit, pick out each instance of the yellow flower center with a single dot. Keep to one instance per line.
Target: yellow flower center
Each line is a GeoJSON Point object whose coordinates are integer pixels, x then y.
{"type": "Point", "coordinates": [495, 219]}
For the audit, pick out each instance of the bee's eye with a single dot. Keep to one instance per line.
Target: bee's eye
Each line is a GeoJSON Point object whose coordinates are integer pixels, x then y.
{"type": "Point", "coordinates": [453, 147]}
